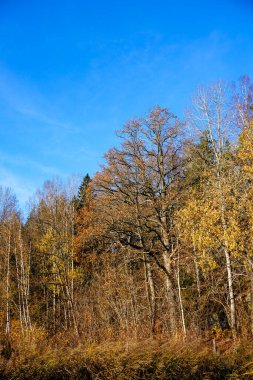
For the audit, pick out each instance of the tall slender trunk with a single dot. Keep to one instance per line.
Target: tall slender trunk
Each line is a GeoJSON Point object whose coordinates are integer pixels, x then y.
{"type": "Point", "coordinates": [230, 290]}
{"type": "Point", "coordinates": [7, 326]}
{"type": "Point", "coordinates": [54, 309]}
{"type": "Point", "coordinates": [23, 276]}
{"type": "Point", "coordinates": [167, 261]}
{"type": "Point", "coordinates": [228, 262]}
{"type": "Point", "coordinates": [131, 286]}
{"type": "Point", "coordinates": [71, 308]}
{"type": "Point", "coordinates": [171, 297]}
{"type": "Point", "coordinates": [19, 293]}
{"type": "Point", "coordinates": [196, 264]}
{"type": "Point", "coordinates": [150, 290]}
{"type": "Point", "coordinates": [180, 296]}
{"type": "Point", "coordinates": [150, 286]}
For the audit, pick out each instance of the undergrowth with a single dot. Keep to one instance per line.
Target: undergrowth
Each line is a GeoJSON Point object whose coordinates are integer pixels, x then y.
{"type": "Point", "coordinates": [154, 359]}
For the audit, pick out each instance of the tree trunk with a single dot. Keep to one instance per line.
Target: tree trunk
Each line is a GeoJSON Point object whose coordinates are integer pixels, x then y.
{"type": "Point", "coordinates": [7, 326]}
{"type": "Point", "coordinates": [150, 289]}
{"type": "Point", "coordinates": [170, 293]}
{"type": "Point", "coordinates": [180, 296]}
{"type": "Point", "coordinates": [228, 266]}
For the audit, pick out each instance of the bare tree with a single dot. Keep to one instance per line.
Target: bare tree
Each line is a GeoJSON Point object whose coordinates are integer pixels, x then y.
{"type": "Point", "coordinates": [141, 178]}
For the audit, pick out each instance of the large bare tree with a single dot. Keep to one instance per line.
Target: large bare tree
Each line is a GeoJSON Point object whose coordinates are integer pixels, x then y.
{"type": "Point", "coordinates": [140, 179]}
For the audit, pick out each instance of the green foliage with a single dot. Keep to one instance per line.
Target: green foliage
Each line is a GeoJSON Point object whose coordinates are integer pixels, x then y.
{"type": "Point", "coordinates": [81, 196]}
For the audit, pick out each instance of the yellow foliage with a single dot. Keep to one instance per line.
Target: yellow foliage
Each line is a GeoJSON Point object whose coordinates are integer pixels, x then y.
{"type": "Point", "coordinates": [245, 151]}
{"type": "Point", "coordinates": [46, 243]}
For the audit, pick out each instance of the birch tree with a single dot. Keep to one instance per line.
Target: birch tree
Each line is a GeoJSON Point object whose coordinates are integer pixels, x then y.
{"type": "Point", "coordinates": [213, 114]}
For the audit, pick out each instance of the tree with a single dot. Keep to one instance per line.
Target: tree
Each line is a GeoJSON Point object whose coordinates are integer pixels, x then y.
{"type": "Point", "coordinates": [214, 117]}
{"type": "Point", "coordinates": [140, 179]}
{"type": "Point", "coordinates": [50, 228]}
{"type": "Point", "coordinates": [81, 196]}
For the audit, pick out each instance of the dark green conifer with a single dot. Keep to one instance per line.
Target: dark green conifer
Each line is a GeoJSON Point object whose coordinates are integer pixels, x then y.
{"type": "Point", "coordinates": [80, 199]}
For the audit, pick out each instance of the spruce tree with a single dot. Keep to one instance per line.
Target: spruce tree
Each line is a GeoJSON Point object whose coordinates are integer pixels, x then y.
{"type": "Point", "coordinates": [80, 199]}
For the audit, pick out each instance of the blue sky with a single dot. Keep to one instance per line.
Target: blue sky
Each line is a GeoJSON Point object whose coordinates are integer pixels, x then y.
{"type": "Point", "coordinates": [72, 72]}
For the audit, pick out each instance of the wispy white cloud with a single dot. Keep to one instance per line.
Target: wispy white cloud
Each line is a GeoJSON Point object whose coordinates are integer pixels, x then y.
{"type": "Point", "coordinates": [26, 162]}
{"type": "Point", "coordinates": [24, 98]}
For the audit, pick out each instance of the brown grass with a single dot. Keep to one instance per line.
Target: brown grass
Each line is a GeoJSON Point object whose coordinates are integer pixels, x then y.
{"type": "Point", "coordinates": [157, 359]}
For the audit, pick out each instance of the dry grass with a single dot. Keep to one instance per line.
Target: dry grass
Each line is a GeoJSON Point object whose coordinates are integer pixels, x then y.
{"type": "Point", "coordinates": [156, 359]}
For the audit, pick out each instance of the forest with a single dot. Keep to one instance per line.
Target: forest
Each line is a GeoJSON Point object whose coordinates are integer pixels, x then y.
{"type": "Point", "coordinates": [145, 270]}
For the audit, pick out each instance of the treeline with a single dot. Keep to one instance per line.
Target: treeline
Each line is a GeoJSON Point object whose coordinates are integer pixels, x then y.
{"type": "Point", "coordinates": [158, 243]}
